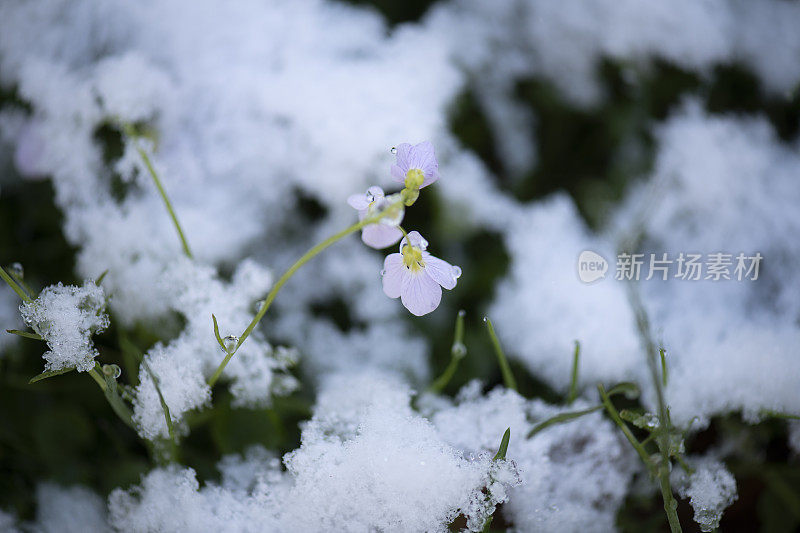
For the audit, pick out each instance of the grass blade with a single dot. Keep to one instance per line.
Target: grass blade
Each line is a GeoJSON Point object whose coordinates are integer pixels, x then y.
{"type": "Point", "coordinates": [508, 377]}
{"type": "Point", "coordinates": [561, 418]}
{"type": "Point", "coordinates": [501, 452]}
{"type": "Point", "coordinates": [25, 334]}
{"type": "Point", "coordinates": [49, 374]}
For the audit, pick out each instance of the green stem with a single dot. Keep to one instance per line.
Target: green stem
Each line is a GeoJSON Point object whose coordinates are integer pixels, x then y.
{"type": "Point", "coordinates": [664, 426]}
{"type": "Point", "coordinates": [612, 412]}
{"type": "Point", "coordinates": [573, 385]}
{"type": "Point", "coordinates": [405, 235]}
{"type": "Point", "coordinates": [14, 286]}
{"type": "Point", "coordinates": [284, 278]}
{"type": "Point", "coordinates": [457, 353]}
{"type": "Point", "coordinates": [98, 379]}
{"type": "Point", "coordinates": [130, 132]}
{"type": "Point", "coordinates": [508, 377]}
{"type": "Point", "coordinates": [109, 388]}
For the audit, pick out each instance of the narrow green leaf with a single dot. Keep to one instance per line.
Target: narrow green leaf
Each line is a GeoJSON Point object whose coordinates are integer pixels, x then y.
{"type": "Point", "coordinates": [561, 418]}
{"type": "Point", "coordinates": [49, 374]}
{"type": "Point", "coordinates": [630, 390]}
{"type": "Point", "coordinates": [216, 334]}
{"type": "Point", "coordinates": [641, 420]}
{"type": "Point", "coordinates": [101, 277]}
{"type": "Point", "coordinates": [14, 286]}
{"type": "Point", "coordinates": [457, 353]}
{"type": "Point", "coordinates": [164, 405]}
{"type": "Point", "coordinates": [508, 377]}
{"type": "Point", "coordinates": [109, 386]}
{"type": "Point", "coordinates": [776, 414]}
{"type": "Point", "coordinates": [501, 452]}
{"type": "Point", "coordinates": [25, 334]}
{"type": "Point", "coordinates": [573, 385]}
{"type": "Point", "coordinates": [663, 355]}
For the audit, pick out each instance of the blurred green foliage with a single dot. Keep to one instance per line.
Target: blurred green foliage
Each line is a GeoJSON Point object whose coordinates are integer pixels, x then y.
{"type": "Point", "coordinates": [62, 429]}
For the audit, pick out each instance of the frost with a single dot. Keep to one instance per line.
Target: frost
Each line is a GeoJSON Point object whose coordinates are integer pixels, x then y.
{"type": "Point", "coordinates": [711, 489]}
{"type": "Point", "coordinates": [366, 462]}
{"type": "Point", "coordinates": [67, 317]}
{"type": "Point", "coordinates": [574, 475]}
{"type": "Point", "coordinates": [182, 366]}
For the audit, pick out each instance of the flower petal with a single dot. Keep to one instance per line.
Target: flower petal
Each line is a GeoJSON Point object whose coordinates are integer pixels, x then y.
{"type": "Point", "coordinates": [420, 293]}
{"type": "Point", "coordinates": [403, 158]}
{"type": "Point", "coordinates": [414, 239]}
{"type": "Point", "coordinates": [441, 271]}
{"type": "Point", "coordinates": [423, 157]}
{"type": "Point", "coordinates": [397, 174]}
{"type": "Point", "coordinates": [358, 201]}
{"type": "Point", "coordinates": [376, 192]}
{"type": "Point", "coordinates": [380, 236]}
{"type": "Point", "coordinates": [393, 273]}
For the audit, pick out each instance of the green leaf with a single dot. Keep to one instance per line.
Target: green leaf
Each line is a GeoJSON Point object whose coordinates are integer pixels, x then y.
{"type": "Point", "coordinates": [101, 277]}
{"type": "Point", "coordinates": [114, 398]}
{"type": "Point", "coordinates": [25, 334]}
{"type": "Point", "coordinates": [216, 334]}
{"type": "Point", "coordinates": [642, 420]}
{"type": "Point", "coordinates": [508, 377]}
{"type": "Point", "coordinates": [164, 405]}
{"type": "Point", "coordinates": [457, 353]}
{"type": "Point", "coordinates": [49, 374]}
{"type": "Point", "coordinates": [630, 390]}
{"type": "Point", "coordinates": [501, 452]}
{"type": "Point", "coordinates": [561, 418]}
{"type": "Point", "coordinates": [573, 385]}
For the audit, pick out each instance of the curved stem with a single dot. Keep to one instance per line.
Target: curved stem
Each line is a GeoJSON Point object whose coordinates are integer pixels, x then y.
{"type": "Point", "coordinates": [130, 132]}
{"type": "Point", "coordinates": [284, 278]}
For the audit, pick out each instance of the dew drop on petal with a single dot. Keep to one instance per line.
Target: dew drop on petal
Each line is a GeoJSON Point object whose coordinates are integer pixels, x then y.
{"type": "Point", "coordinates": [230, 342]}
{"type": "Point", "coordinates": [383, 272]}
{"type": "Point", "coordinates": [393, 150]}
{"type": "Point", "coordinates": [456, 272]}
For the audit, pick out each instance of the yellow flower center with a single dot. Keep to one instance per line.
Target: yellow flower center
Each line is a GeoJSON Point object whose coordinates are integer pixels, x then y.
{"type": "Point", "coordinates": [412, 258]}
{"type": "Point", "coordinates": [414, 179]}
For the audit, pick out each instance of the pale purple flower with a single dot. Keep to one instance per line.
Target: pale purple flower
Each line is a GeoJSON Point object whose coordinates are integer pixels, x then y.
{"type": "Point", "coordinates": [381, 234]}
{"type": "Point", "coordinates": [417, 277]}
{"type": "Point", "coordinates": [419, 157]}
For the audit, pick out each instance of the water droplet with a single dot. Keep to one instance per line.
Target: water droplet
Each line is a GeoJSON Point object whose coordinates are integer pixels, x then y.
{"type": "Point", "coordinates": [456, 272]}
{"type": "Point", "coordinates": [394, 149]}
{"type": "Point", "coordinates": [383, 272]}
{"type": "Point", "coordinates": [462, 313]}
{"type": "Point", "coordinates": [113, 371]}
{"type": "Point", "coordinates": [485, 319]}
{"type": "Point", "coordinates": [459, 350]}
{"type": "Point", "coordinates": [422, 463]}
{"type": "Point", "coordinates": [258, 305]}
{"type": "Point", "coordinates": [230, 343]}
{"type": "Point", "coordinates": [17, 270]}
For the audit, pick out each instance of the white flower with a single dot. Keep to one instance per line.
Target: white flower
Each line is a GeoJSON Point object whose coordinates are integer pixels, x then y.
{"type": "Point", "coordinates": [417, 277]}
{"type": "Point", "coordinates": [384, 233]}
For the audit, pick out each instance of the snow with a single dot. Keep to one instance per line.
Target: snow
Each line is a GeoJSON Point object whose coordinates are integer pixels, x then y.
{"type": "Point", "coordinates": [67, 317]}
